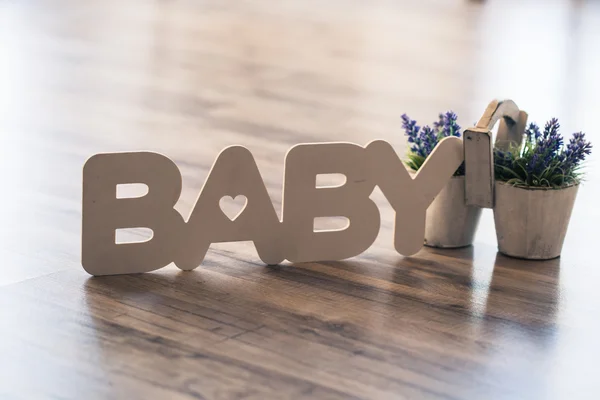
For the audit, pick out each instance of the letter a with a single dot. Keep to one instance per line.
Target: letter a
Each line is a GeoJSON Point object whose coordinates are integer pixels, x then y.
{"type": "Point", "coordinates": [233, 173]}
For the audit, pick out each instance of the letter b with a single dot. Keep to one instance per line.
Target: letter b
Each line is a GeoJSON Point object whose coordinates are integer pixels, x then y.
{"type": "Point", "coordinates": [303, 202]}
{"type": "Point", "coordinates": [104, 213]}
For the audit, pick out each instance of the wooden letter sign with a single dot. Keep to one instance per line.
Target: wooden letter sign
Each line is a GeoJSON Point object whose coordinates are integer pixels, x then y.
{"type": "Point", "coordinates": [234, 173]}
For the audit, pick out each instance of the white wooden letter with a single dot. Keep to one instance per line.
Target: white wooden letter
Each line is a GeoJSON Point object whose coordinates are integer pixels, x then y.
{"type": "Point", "coordinates": [103, 213]}
{"type": "Point", "coordinates": [409, 197]}
{"type": "Point", "coordinates": [303, 202]}
{"type": "Point", "coordinates": [233, 173]}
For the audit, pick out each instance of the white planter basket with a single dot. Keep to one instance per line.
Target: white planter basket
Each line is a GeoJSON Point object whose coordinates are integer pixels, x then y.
{"type": "Point", "coordinates": [532, 223]}
{"type": "Point", "coordinates": [450, 223]}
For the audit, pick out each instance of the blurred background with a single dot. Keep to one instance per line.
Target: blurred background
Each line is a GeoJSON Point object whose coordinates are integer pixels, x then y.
{"type": "Point", "coordinates": [187, 78]}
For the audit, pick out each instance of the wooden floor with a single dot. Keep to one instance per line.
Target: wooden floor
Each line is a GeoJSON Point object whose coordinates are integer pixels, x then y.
{"type": "Point", "coordinates": [187, 78]}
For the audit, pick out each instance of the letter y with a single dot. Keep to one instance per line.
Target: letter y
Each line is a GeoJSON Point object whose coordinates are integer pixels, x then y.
{"type": "Point", "coordinates": [410, 197]}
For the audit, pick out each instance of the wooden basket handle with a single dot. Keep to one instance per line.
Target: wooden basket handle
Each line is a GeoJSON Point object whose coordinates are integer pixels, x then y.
{"type": "Point", "coordinates": [479, 159]}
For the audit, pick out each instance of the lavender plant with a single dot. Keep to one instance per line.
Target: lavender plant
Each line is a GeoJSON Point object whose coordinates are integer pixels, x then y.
{"type": "Point", "coordinates": [423, 140]}
{"type": "Point", "coordinates": [543, 160]}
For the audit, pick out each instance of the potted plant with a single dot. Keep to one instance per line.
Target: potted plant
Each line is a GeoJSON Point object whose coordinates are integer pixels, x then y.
{"type": "Point", "coordinates": [536, 186]}
{"type": "Point", "coordinates": [449, 222]}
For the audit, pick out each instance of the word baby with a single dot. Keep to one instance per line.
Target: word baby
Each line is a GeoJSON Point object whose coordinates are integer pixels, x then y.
{"type": "Point", "coordinates": [235, 173]}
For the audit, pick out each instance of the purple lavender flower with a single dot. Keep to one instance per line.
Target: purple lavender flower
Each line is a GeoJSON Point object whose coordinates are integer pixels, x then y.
{"type": "Point", "coordinates": [552, 141]}
{"type": "Point", "coordinates": [410, 126]}
{"type": "Point", "coordinates": [423, 140]}
{"type": "Point", "coordinates": [577, 149]}
{"type": "Point", "coordinates": [546, 147]}
{"type": "Point", "coordinates": [411, 130]}
{"type": "Point", "coordinates": [449, 125]}
{"type": "Point", "coordinates": [428, 139]}
{"type": "Point", "coordinates": [533, 164]}
{"type": "Point", "coordinates": [543, 160]}
{"type": "Point", "coordinates": [501, 158]}
{"type": "Point", "coordinates": [439, 124]}
{"type": "Point", "coordinates": [533, 132]}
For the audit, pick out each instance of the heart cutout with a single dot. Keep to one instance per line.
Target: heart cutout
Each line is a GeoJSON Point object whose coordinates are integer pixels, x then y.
{"type": "Point", "coordinates": [233, 207]}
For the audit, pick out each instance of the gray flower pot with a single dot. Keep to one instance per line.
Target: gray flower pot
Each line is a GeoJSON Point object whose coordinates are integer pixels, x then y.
{"type": "Point", "coordinates": [450, 223]}
{"type": "Point", "coordinates": [532, 223]}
